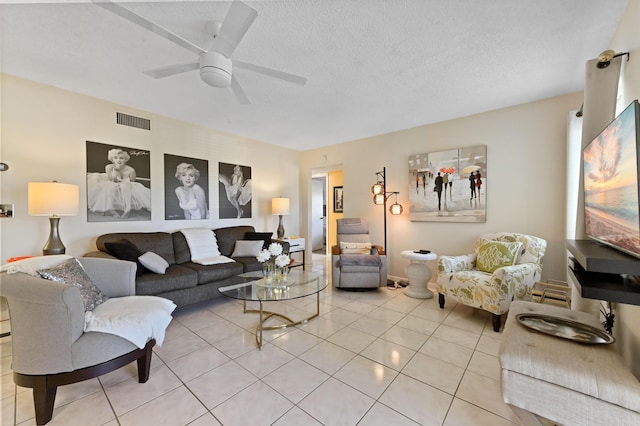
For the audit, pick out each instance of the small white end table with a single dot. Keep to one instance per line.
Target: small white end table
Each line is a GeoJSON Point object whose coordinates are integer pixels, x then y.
{"type": "Point", "coordinates": [418, 273]}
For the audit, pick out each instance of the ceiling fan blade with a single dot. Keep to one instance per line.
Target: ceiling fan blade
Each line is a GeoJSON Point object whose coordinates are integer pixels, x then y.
{"type": "Point", "coordinates": [147, 24]}
{"type": "Point", "coordinates": [235, 26]}
{"type": "Point", "coordinates": [237, 90]}
{"type": "Point", "coordinates": [170, 70]}
{"type": "Point", "coordinates": [291, 78]}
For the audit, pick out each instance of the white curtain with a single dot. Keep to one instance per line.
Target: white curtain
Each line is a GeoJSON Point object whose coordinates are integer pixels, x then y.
{"type": "Point", "coordinates": [574, 161]}
{"type": "Point", "coordinates": [599, 109]}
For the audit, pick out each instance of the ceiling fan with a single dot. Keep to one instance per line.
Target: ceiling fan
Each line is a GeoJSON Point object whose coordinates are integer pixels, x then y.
{"type": "Point", "coordinates": [215, 64]}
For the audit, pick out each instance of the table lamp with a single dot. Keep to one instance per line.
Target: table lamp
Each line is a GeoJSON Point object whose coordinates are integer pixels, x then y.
{"type": "Point", "coordinates": [280, 206]}
{"type": "Point", "coordinates": [55, 200]}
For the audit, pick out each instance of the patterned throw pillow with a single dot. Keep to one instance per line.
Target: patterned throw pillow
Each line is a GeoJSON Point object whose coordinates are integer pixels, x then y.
{"type": "Point", "coordinates": [71, 272]}
{"type": "Point", "coordinates": [497, 254]}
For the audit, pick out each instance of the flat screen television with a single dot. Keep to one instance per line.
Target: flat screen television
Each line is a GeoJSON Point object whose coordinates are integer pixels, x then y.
{"type": "Point", "coordinates": [611, 163]}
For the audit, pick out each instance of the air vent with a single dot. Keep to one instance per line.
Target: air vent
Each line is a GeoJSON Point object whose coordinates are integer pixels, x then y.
{"type": "Point", "coordinates": [133, 121]}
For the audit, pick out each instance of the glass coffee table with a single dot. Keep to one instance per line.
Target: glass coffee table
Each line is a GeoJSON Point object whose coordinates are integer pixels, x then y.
{"type": "Point", "coordinates": [251, 287]}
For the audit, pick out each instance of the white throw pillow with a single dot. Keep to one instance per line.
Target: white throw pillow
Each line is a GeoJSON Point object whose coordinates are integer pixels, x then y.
{"type": "Point", "coordinates": [355, 248]}
{"type": "Point", "coordinates": [154, 262]}
{"type": "Point", "coordinates": [246, 248]}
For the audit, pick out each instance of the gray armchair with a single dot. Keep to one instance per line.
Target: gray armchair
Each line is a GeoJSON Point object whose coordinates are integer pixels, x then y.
{"type": "Point", "coordinates": [49, 345]}
{"type": "Point", "coordinates": [355, 262]}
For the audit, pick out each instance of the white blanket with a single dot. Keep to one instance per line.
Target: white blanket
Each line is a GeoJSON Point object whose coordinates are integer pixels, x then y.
{"type": "Point", "coordinates": [135, 318]}
{"type": "Point", "coordinates": [204, 246]}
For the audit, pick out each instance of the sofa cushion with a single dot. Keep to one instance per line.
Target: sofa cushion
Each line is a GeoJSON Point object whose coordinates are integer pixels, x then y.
{"type": "Point", "coordinates": [126, 250]}
{"type": "Point", "coordinates": [249, 263]}
{"type": "Point", "coordinates": [209, 273]}
{"type": "Point", "coordinates": [176, 277]}
{"type": "Point", "coordinates": [228, 236]}
{"type": "Point", "coordinates": [264, 236]}
{"type": "Point", "coordinates": [157, 242]}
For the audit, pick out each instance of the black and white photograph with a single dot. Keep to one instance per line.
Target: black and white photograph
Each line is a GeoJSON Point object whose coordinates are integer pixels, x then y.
{"type": "Point", "coordinates": [234, 191]}
{"type": "Point", "coordinates": [118, 183]}
{"type": "Point", "coordinates": [186, 188]}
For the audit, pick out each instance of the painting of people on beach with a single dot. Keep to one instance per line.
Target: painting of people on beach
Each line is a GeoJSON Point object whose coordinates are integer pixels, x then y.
{"type": "Point", "coordinates": [611, 184]}
{"type": "Point", "coordinates": [118, 183]}
{"type": "Point", "coordinates": [449, 186]}
{"type": "Point", "coordinates": [234, 191]}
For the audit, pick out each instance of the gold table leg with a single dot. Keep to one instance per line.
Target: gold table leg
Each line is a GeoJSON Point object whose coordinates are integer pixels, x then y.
{"type": "Point", "coordinates": [265, 315]}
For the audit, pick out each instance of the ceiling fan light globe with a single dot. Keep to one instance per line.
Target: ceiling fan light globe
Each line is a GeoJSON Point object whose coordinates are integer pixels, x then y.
{"type": "Point", "coordinates": [215, 69]}
{"type": "Point", "coordinates": [215, 77]}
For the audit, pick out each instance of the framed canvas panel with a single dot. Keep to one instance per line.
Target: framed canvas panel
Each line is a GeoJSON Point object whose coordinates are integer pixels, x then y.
{"type": "Point", "coordinates": [118, 183]}
{"type": "Point", "coordinates": [186, 188]}
{"type": "Point", "coordinates": [449, 186]}
{"type": "Point", "coordinates": [234, 191]}
{"type": "Point", "coordinates": [338, 199]}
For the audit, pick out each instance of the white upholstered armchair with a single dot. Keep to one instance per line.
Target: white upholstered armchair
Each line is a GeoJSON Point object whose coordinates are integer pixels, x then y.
{"type": "Point", "coordinates": [355, 262]}
{"type": "Point", "coordinates": [504, 268]}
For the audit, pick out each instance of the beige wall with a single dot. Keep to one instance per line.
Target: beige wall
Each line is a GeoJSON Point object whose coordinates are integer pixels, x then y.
{"type": "Point", "coordinates": [627, 39]}
{"type": "Point", "coordinates": [525, 189]}
{"type": "Point", "coordinates": [44, 130]}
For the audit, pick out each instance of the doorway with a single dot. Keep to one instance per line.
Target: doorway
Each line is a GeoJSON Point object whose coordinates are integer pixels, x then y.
{"type": "Point", "coordinates": [319, 214]}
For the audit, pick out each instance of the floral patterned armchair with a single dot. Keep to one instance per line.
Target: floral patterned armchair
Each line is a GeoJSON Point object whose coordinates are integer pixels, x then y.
{"type": "Point", "coordinates": [504, 268]}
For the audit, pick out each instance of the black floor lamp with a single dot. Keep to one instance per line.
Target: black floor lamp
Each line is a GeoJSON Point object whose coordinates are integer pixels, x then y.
{"type": "Point", "coordinates": [380, 197]}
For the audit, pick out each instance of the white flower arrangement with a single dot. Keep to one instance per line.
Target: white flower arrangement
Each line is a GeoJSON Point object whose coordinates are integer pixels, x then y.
{"type": "Point", "coordinates": [274, 254]}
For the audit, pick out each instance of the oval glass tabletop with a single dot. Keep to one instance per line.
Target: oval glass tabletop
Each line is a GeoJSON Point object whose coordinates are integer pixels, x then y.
{"type": "Point", "coordinates": [565, 328]}
{"type": "Point", "coordinates": [250, 286]}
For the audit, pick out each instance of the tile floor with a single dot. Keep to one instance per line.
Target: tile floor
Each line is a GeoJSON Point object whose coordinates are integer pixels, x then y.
{"type": "Point", "coordinates": [371, 358]}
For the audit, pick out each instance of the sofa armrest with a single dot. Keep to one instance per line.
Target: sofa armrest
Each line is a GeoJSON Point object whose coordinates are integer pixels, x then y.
{"type": "Point", "coordinates": [521, 278]}
{"type": "Point", "coordinates": [115, 278]}
{"type": "Point", "coordinates": [46, 318]}
{"type": "Point", "coordinates": [99, 254]}
{"type": "Point", "coordinates": [451, 264]}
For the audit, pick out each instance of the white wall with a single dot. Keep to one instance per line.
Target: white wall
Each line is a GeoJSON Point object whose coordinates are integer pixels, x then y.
{"type": "Point", "coordinates": [526, 159]}
{"type": "Point", "coordinates": [627, 39]}
{"type": "Point", "coordinates": [44, 130]}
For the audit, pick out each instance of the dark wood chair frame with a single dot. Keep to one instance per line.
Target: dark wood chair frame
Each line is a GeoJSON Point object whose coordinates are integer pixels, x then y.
{"type": "Point", "coordinates": [45, 386]}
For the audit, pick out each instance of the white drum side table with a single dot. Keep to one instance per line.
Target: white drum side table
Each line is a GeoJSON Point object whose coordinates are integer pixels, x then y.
{"type": "Point", "coordinates": [418, 273]}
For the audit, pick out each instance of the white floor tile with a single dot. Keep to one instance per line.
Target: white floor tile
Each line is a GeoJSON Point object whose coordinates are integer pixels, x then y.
{"type": "Point", "coordinates": [185, 408]}
{"type": "Point", "coordinates": [256, 405]}
{"type": "Point", "coordinates": [420, 402]}
{"type": "Point", "coordinates": [387, 353]}
{"type": "Point", "coordinates": [335, 403]}
{"type": "Point", "coordinates": [220, 384]}
{"type": "Point", "coordinates": [463, 413]}
{"type": "Point", "coordinates": [369, 377]}
{"type": "Point", "coordinates": [381, 415]}
{"type": "Point", "coordinates": [296, 379]}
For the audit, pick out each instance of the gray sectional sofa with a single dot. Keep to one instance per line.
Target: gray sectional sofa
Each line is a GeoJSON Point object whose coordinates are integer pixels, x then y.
{"type": "Point", "coordinates": [185, 282]}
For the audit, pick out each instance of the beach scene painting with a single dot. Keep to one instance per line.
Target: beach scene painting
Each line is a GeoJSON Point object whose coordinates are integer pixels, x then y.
{"type": "Point", "coordinates": [611, 185]}
{"type": "Point", "coordinates": [449, 186]}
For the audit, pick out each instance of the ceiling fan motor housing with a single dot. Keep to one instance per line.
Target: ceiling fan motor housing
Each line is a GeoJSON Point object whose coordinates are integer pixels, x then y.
{"type": "Point", "coordinates": [215, 69]}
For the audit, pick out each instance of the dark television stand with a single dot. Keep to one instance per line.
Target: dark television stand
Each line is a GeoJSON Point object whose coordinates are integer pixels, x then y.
{"type": "Point", "coordinates": [603, 273]}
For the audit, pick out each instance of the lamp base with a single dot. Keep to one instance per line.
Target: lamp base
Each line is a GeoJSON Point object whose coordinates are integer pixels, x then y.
{"type": "Point", "coordinates": [280, 231]}
{"type": "Point", "coordinates": [54, 243]}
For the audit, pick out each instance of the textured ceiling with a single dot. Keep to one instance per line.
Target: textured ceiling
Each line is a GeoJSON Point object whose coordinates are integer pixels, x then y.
{"type": "Point", "coordinates": [373, 66]}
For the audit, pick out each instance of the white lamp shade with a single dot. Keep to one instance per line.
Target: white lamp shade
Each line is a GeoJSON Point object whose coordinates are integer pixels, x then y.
{"type": "Point", "coordinates": [53, 199]}
{"type": "Point", "coordinates": [280, 206]}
